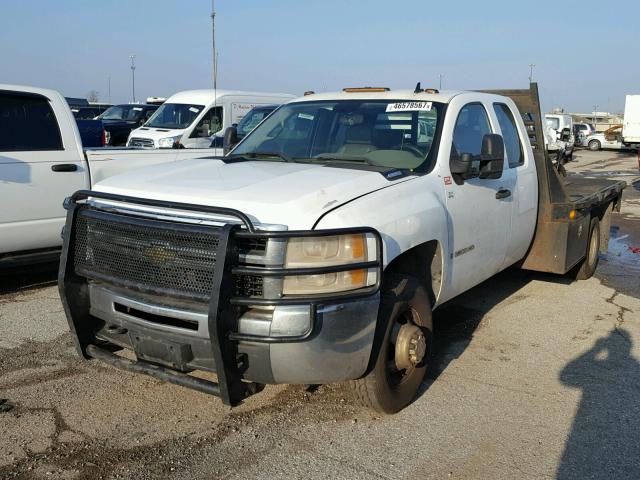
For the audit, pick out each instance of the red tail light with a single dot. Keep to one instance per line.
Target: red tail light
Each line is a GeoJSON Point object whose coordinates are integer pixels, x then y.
{"type": "Point", "coordinates": [104, 137]}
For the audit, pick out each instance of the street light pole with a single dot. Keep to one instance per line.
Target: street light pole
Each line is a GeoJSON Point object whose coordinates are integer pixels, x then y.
{"type": "Point", "coordinates": [531, 65]}
{"type": "Point", "coordinates": [595, 109]}
{"type": "Point", "coordinates": [133, 77]}
{"type": "Point", "coordinates": [440, 85]}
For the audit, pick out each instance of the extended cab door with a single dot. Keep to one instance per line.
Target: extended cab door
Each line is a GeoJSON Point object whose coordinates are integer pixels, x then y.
{"type": "Point", "coordinates": [520, 176]}
{"type": "Point", "coordinates": [40, 165]}
{"type": "Point", "coordinates": [479, 209]}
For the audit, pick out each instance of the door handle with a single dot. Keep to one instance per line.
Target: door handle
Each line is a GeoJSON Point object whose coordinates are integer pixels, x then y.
{"type": "Point", "coordinates": [503, 193]}
{"type": "Point", "coordinates": [64, 167]}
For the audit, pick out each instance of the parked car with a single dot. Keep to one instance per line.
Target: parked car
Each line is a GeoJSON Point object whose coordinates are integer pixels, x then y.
{"type": "Point", "coordinates": [92, 133]}
{"type": "Point", "coordinates": [119, 120]}
{"type": "Point", "coordinates": [581, 131]}
{"type": "Point", "coordinates": [316, 251]}
{"type": "Point", "coordinates": [611, 139]}
{"type": "Point", "coordinates": [41, 163]}
{"type": "Point", "coordinates": [191, 119]}
{"type": "Point", "coordinates": [86, 113]}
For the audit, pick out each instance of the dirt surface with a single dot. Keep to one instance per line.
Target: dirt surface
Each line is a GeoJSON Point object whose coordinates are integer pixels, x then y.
{"type": "Point", "coordinates": [535, 377]}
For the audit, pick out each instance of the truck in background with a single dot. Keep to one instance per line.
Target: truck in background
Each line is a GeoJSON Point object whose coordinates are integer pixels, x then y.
{"type": "Point", "coordinates": [43, 161]}
{"type": "Point", "coordinates": [631, 125]}
{"type": "Point", "coordinates": [317, 249]}
{"type": "Point", "coordinates": [559, 137]}
{"type": "Point", "coordinates": [193, 118]}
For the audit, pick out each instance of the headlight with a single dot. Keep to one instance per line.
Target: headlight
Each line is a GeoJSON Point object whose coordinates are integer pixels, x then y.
{"type": "Point", "coordinates": [169, 142]}
{"type": "Point", "coordinates": [309, 252]}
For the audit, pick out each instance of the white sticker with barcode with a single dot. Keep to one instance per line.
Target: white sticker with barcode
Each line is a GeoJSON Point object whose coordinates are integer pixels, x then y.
{"type": "Point", "coordinates": [409, 107]}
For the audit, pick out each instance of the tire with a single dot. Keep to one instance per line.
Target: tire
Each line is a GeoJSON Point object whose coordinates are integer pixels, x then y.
{"type": "Point", "coordinates": [404, 306]}
{"type": "Point", "coordinates": [587, 266]}
{"type": "Point", "coordinates": [595, 145]}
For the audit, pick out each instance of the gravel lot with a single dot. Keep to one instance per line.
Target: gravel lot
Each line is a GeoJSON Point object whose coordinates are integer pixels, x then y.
{"type": "Point", "coordinates": [535, 377]}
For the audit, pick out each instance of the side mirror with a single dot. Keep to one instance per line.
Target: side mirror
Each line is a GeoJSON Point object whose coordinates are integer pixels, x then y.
{"type": "Point", "coordinates": [488, 164]}
{"type": "Point", "coordinates": [464, 166]}
{"type": "Point", "coordinates": [566, 135]}
{"type": "Point", "coordinates": [492, 156]}
{"type": "Point", "coordinates": [230, 139]}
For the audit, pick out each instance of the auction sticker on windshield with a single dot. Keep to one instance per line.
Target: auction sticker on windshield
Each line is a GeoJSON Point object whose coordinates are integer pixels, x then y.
{"type": "Point", "coordinates": [409, 106]}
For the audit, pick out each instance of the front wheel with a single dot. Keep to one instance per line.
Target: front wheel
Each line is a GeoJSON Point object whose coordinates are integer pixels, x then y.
{"type": "Point", "coordinates": [402, 349]}
{"type": "Point", "coordinates": [594, 145]}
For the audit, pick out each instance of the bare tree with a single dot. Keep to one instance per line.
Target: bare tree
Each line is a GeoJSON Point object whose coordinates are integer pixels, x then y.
{"type": "Point", "coordinates": [93, 96]}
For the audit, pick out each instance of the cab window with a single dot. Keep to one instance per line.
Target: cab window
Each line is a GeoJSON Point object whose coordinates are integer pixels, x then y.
{"type": "Point", "coordinates": [209, 124]}
{"type": "Point", "coordinates": [512, 145]}
{"type": "Point", "coordinates": [27, 123]}
{"type": "Point", "coordinates": [471, 127]}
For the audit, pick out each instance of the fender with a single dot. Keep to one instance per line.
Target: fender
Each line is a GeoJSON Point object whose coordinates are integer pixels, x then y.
{"type": "Point", "coordinates": [407, 215]}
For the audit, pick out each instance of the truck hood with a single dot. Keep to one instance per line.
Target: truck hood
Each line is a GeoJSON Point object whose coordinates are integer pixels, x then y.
{"type": "Point", "coordinates": [156, 133]}
{"type": "Point", "coordinates": [291, 194]}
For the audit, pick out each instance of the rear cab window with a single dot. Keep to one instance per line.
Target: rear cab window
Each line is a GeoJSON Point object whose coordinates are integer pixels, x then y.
{"type": "Point", "coordinates": [27, 123]}
{"type": "Point", "coordinates": [512, 144]}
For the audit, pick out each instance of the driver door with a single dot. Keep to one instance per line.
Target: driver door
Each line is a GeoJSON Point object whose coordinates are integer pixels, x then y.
{"type": "Point", "coordinates": [479, 213]}
{"type": "Point", "coordinates": [208, 125]}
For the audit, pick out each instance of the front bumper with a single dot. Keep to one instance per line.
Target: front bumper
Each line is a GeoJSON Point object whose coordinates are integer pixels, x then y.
{"type": "Point", "coordinates": [313, 339]}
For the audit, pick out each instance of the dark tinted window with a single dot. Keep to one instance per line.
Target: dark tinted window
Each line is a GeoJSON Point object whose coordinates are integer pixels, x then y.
{"type": "Point", "coordinates": [512, 145]}
{"type": "Point", "coordinates": [27, 123]}
{"type": "Point", "coordinates": [471, 127]}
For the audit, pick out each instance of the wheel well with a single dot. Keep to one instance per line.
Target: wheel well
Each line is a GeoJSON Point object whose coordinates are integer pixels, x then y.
{"type": "Point", "coordinates": [424, 262]}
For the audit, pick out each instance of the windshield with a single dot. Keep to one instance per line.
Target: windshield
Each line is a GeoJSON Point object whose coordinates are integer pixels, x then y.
{"type": "Point", "coordinates": [384, 133]}
{"type": "Point", "coordinates": [174, 115]}
{"type": "Point", "coordinates": [251, 119]}
{"type": "Point", "coordinates": [122, 112]}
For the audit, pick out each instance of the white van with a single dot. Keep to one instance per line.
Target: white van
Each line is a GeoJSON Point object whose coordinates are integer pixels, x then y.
{"type": "Point", "coordinates": [192, 118]}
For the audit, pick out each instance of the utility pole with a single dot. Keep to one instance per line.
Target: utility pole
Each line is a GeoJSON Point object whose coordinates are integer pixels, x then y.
{"type": "Point", "coordinates": [440, 84]}
{"type": "Point", "coordinates": [531, 65]}
{"type": "Point", "coordinates": [133, 77]}
{"type": "Point", "coordinates": [213, 42]}
{"type": "Point", "coordinates": [595, 110]}
{"type": "Point", "coordinates": [109, 82]}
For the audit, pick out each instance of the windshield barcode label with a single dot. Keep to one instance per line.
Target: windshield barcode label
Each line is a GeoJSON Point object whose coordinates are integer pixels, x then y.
{"type": "Point", "coordinates": [408, 106]}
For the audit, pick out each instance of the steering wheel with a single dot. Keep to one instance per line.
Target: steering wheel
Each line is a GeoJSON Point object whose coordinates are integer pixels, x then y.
{"type": "Point", "coordinates": [407, 147]}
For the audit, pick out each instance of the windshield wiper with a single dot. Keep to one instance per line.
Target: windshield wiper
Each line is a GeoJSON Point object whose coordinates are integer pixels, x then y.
{"type": "Point", "coordinates": [281, 155]}
{"type": "Point", "coordinates": [341, 158]}
{"type": "Point", "coordinates": [245, 157]}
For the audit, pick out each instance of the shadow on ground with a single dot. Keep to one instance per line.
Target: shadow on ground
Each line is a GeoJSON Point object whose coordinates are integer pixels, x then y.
{"type": "Point", "coordinates": [604, 441]}
{"type": "Point", "coordinates": [456, 321]}
{"type": "Point", "coordinates": [24, 278]}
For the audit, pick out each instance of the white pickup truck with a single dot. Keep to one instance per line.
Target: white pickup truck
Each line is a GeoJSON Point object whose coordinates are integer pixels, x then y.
{"type": "Point", "coordinates": [317, 249]}
{"type": "Point", "coordinates": [41, 163]}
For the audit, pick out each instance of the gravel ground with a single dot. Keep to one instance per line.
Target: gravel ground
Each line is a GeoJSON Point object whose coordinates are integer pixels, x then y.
{"type": "Point", "coordinates": [535, 377]}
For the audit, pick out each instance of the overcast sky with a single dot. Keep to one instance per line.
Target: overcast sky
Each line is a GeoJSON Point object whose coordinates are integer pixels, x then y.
{"type": "Point", "coordinates": [585, 52]}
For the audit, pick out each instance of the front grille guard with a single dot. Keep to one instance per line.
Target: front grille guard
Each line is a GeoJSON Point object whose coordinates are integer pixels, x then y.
{"type": "Point", "coordinates": [223, 303]}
